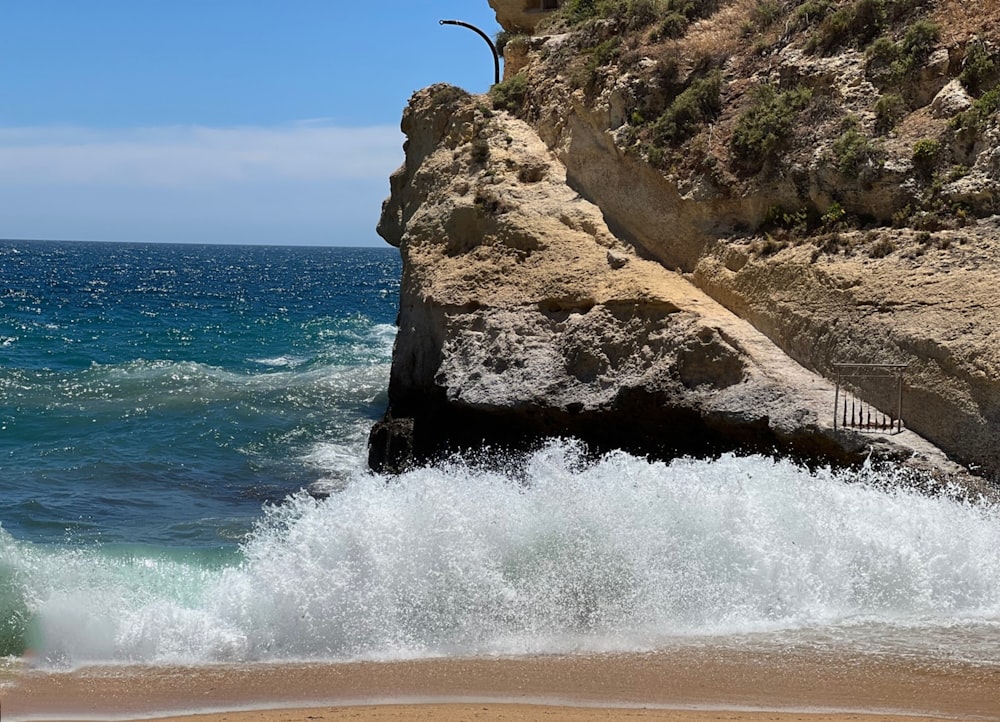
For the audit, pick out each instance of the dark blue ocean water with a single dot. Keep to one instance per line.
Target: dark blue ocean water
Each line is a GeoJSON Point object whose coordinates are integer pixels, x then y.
{"type": "Point", "coordinates": [163, 407]}
{"type": "Point", "coordinates": [161, 394]}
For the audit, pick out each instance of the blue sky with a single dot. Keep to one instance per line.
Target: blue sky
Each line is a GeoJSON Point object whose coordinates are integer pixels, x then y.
{"type": "Point", "coordinates": [216, 121]}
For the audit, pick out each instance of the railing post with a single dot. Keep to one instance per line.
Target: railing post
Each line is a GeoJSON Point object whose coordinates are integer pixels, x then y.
{"type": "Point", "coordinates": [861, 410]}
{"type": "Point", "coordinates": [836, 401]}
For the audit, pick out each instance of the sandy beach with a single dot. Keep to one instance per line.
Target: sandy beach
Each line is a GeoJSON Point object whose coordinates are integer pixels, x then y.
{"type": "Point", "coordinates": [682, 684]}
{"type": "Point", "coordinates": [526, 713]}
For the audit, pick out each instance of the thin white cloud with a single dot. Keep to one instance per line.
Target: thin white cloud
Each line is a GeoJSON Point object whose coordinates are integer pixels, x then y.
{"type": "Point", "coordinates": [195, 156]}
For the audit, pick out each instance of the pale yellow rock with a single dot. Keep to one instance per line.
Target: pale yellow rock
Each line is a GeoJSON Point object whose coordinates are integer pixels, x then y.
{"type": "Point", "coordinates": [928, 303]}
{"type": "Point", "coordinates": [522, 15]}
{"type": "Point", "coordinates": [518, 299]}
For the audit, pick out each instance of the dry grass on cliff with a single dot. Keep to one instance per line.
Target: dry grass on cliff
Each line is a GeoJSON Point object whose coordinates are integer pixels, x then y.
{"type": "Point", "coordinates": [718, 35]}
{"type": "Point", "coordinates": [723, 33]}
{"type": "Point", "coordinates": [959, 19]}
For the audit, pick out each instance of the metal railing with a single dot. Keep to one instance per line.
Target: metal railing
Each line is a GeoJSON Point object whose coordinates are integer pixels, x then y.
{"type": "Point", "coordinates": [858, 382]}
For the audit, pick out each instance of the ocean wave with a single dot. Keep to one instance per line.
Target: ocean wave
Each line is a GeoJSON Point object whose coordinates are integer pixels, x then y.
{"type": "Point", "coordinates": [564, 555]}
{"type": "Point", "coordinates": [282, 361]}
{"type": "Point", "coordinates": [142, 383]}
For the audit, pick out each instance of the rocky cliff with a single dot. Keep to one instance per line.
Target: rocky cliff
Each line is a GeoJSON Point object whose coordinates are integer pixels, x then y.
{"type": "Point", "coordinates": [671, 220]}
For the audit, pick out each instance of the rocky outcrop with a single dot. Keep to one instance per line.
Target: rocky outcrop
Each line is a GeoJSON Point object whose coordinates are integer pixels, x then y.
{"type": "Point", "coordinates": [867, 234]}
{"type": "Point", "coordinates": [522, 316]}
{"type": "Point", "coordinates": [686, 221]}
{"type": "Point", "coordinates": [521, 16]}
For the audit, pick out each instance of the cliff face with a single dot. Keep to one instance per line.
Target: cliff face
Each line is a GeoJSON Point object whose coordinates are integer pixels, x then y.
{"type": "Point", "coordinates": [663, 221]}
{"type": "Point", "coordinates": [523, 316]}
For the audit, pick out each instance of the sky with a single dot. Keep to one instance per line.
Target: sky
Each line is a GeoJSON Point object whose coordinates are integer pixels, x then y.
{"type": "Point", "coordinates": [217, 121]}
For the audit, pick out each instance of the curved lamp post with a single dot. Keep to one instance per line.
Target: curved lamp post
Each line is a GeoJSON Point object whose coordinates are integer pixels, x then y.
{"type": "Point", "coordinates": [484, 36]}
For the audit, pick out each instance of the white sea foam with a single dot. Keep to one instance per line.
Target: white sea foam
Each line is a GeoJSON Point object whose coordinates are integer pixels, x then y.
{"type": "Point", "coordinates": [565, 555]}
{"type": "Point", "coordinates": [282, 361]}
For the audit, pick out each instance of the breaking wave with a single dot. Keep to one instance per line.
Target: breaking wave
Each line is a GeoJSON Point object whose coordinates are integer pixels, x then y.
{"type": "Point", "coordinates": [565, 554]}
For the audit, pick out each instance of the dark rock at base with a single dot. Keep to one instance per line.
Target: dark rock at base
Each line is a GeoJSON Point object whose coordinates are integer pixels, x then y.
{"type": "Point", "coordinates": [390, 445]}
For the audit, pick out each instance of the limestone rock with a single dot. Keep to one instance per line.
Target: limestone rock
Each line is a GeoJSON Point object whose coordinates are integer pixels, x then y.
{"type": "Point", "coordinates": [700, 214]}
{"type": "Point", "coordinates": [929, 303]}
{"type": "Point", "coordinates": [582, 273]}
{"type": "Point", "coordinates": [951, 101]}
{"type": "Point", "coordinates": [523, 316]}
{"type": "Point", "coordinates": [521, 16]}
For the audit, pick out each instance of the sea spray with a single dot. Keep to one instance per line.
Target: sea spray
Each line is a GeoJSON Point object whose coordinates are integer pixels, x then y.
{"type": "Point", "coordinates": [565, 555]}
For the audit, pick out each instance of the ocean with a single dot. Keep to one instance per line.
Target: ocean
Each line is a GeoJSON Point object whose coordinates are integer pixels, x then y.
{"type": "Point", "coordinates": [183, 481]}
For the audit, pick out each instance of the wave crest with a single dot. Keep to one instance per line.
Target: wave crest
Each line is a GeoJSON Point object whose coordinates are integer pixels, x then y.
{"type": "Point", "coordinates": [617, 554]}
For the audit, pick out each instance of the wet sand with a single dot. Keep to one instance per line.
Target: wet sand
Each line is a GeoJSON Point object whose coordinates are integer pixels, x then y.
{"type": "Point", "coordinates": [685, 685]}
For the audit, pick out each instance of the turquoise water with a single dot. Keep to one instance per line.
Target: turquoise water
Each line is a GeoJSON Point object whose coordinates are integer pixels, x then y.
{"type": "Point", "coordinates": [162, 409]}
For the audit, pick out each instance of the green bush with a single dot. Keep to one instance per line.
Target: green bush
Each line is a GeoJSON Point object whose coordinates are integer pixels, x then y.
{"type": "Point", "coordinates": [925, 155]}
{"type": "Point", "coordinates": [857, 24]}
{"type": "Point", "coordinates": [636, 14]}
{"type": "Point", "coordinates": [890, 64]}
{"type": "Point", "coordinates": [655, 155]}
{"type": "Point", "coordinates": [501, 39]}
{"type": "Point", "coordinates": [881, 56]}
{"type": "Point", "coordinates": [900, 9]}
{"type": "Point", "coordinates": [639, 14]}
{"type": "Point", "coordinates": [692, 9]}
{"type": "Point", "coordinates": [448, 94]}
{"type": "Point", "coordinates": [832, 32]}
{"type": "Point", "coordinates": [698, 104]}
{"type": "Point", "coordinates": [919, 41]}
{"type": "Point", "coordinates": [796, 221]}
{"type": "Point", "coordinates": [576, 11]}
{"type": "Point", "coordinates": [881, 248]}
{"type": "Point", "coordinates": [852, 150]}
{"type": "Point", "coordinates": [811, 12]}
{"type": "Point", "coordinates": [505, 38]}
{"type": "Point", "coordinates": [979, 71]}
{"type": "Point", "coordinates": [868, 21]}
{"type": "Point", "coordinates": [975, 119]}
{"type": "Point", "coordinates": [510, 94]}
{"type": "Point", "coordinates": [673, 25]}
{"type": "Point", "coordinates": [767, 125]}
{"type": "Point", "coordinates": [764, 14]}
{"type": "Point", "coordinates": [834, 216]}
{"type": "Point", "coordinates": [889, 110]}
{"type": "Point", "coordinates": [604, 54]}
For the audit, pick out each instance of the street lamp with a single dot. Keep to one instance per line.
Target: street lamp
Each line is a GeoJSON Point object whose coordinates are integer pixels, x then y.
{"type": "Point", "coordinates": [484, 36]}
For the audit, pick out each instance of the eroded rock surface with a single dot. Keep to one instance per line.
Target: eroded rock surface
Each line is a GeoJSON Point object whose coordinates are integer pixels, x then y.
{"type": "Point", "coordinates": [523, 316]}
{"type": "Point", "coordinates": [868, 234]}
{"type": "Point", "coordinates": [521, 16]}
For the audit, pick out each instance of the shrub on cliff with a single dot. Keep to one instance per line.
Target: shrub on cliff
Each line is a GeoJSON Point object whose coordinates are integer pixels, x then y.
{"type": "Point", "coordinates": [632, 14]}
{"type": "Point", "coordinates": [509, 94]}
{"type": "Point", "coordinates": [925, 156]}
{"type": "Point", "coordinates": [857, 24]}
{"type": "Point", "coordinates": [576, 11]}
{"type": "Point", "coordinates": [979, 71]}
{"type": "Point", "coordinates": [700, 103]}
{"type": "Point", "coordinates": [765, 128]}
{"type": "Point", "coordinates": [891, 64]}
{"type": "Point", "coordinates": [601, 56]}
{"type": "Point", "coordinates": [889, 110]}
{"type": "Point", "coordinates": [853, 151]}
{"type": "Point", "coordinates": [972, 122]}
{"type": "Point", "coordinates": [673, 16]}
{"type": "Point", "coordinates": [811, 12]}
